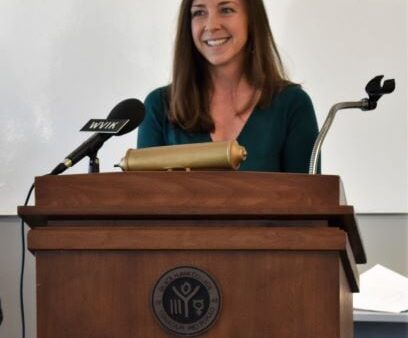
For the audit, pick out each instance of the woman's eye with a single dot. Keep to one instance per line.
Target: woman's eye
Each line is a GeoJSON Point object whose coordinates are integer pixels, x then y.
{"type": "Point", "coordinates": [227, 10]}
{"type": "Point", "coordinates": [198, 12]}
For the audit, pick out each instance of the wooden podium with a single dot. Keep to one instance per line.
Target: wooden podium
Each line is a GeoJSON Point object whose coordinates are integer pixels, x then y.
{"type": "Point", "coordinates": [282, 249]}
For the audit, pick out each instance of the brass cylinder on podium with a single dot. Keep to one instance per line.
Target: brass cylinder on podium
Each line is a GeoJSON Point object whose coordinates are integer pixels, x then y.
{"type": "Point", "coordinates": [211, 155]}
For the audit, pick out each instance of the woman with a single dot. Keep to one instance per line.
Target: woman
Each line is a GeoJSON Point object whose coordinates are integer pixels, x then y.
{"type": "Point", "coordinates": [229, 83]}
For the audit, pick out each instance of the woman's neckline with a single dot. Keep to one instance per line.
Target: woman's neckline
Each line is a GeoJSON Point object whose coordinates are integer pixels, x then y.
{"type": "Point", "coordinates": [245, 126]}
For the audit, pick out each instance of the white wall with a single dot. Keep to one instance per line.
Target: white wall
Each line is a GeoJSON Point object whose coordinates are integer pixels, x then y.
{"type": "Point", "coordinates": [64, 62]}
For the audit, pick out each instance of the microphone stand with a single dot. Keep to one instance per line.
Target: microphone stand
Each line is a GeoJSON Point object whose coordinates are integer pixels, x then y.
{"type": "Point", "coordinates": [374, 91]}
{"type": "Point", "coordinates": [93, 163]}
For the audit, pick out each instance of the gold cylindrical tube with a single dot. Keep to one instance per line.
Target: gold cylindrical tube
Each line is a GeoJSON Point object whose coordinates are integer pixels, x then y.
{"type": "Point", "coordinates": [211, 155]}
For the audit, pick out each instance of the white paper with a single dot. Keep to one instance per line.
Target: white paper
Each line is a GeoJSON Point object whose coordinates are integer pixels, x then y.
{"type": "Point", "coordinates": [382, 289]}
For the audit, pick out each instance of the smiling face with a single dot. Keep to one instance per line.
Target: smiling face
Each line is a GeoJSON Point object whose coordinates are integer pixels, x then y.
{"type": "Point", "coordinates": [220, 30]}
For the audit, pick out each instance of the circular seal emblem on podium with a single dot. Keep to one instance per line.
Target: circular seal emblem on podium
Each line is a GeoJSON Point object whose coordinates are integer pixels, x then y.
{"type": "Point", "coordinates": [186, 301]}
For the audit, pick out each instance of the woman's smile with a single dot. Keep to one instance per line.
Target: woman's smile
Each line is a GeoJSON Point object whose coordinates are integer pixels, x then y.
{"type": "Point", "coordinates": [216, 42]}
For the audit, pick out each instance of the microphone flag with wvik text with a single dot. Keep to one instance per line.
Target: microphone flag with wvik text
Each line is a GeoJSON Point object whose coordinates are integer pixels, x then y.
{"type": "Point", "coordinates": [131, 112]}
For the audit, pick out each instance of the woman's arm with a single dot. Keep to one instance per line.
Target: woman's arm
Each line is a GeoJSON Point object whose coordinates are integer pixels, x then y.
{"type": "Point", "coordinates": [302, 131]}
{"type": "Point", "coordinates": [151, 131]}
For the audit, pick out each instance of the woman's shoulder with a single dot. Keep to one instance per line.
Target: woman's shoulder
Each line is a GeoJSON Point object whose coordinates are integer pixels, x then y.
{"type": "Point", "coordinates": [153, 128]}
{"type": "Point", "coordinates": [158, 96]}
{"type": "Point", "coordinates": [293, 98]}
{"type": "Point", "coordinates": [293, 92]}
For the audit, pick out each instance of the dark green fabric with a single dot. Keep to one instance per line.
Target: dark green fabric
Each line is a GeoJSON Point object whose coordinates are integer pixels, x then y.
{"type": "Point", "coordinates": [278, 138]}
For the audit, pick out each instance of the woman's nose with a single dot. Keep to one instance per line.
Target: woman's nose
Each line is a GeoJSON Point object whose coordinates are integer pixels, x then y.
{"type": "Point", "coordinates": [213, 22]}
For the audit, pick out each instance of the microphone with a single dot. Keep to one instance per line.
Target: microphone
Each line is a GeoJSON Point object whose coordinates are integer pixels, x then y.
{"type": "Point", "coordinates": [130, 109]}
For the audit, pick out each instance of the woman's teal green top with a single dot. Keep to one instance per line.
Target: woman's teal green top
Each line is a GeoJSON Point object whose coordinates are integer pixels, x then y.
{"type": "Point", "coordinates": [277, 138]}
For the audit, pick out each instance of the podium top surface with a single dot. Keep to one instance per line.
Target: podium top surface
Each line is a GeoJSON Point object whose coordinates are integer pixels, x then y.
{"type": "Point", "coordinates": [191, 195]}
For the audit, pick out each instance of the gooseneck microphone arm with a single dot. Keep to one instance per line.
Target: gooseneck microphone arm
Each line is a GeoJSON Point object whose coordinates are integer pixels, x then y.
{"type": "Point", "coordinates": [325, 129]}
{"type": "Point", "coordinates": [374, 91]}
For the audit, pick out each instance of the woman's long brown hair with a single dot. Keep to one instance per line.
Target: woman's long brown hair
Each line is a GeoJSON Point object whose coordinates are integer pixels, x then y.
{"type": "Point", "coordinates": [191, 84]}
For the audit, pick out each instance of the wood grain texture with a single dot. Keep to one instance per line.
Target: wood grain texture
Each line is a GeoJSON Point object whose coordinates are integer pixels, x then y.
{"type": "Point", "coordinates": [198, 238]}
{"type": "Point", "coordinates": [193, 195]}
{"type": "Point", "coordinates": [195, 238]}
{"type": "Point", "coordinates": [278, 245]}
{"type": "Point", "coordinates": [346, 303]}
{"type": "Point", "coordinates": [189, 190]}
{"type": "Point", "coordinates": [265, 294]}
